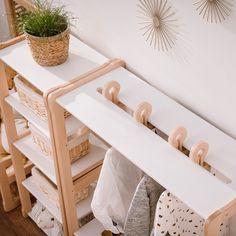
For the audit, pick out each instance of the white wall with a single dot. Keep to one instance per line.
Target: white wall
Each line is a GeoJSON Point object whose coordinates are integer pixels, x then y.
{"type": "Point", "coordinates": [200, 73]}
{"type": "Point", "coordinates": [4, 32]}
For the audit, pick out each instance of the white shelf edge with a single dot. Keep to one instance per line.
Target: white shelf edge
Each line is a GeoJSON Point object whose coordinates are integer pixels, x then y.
{"type": "Point", "coordinates": [72, 124]}
{"type": "Point", "coordinates": [93, 158]}
{"type": "Point", "coordinates": [46, 165]}
{"type": "Point", "coordinates": [14, 101]}
{"type": "Point", "coordinates": [82, 59]}
{"type": "Point", "coordinates": [83, 207]}
{"type": "Point", "coordinates": [93, 228]}
{"type": "Point", "coordinates": [40, 196]}
{"type": "Point", "coordinates": [33, 153]}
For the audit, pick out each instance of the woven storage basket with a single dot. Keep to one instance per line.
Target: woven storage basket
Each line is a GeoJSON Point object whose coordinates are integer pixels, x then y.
{"type": "Point", "coordinates": [49, 51]}
{"type": "Point", "coordinates": [50, 190]}
{"type": "Point", "coordinates": [78, 144]}
{"type": "Point", "coordinates": [32, 97]}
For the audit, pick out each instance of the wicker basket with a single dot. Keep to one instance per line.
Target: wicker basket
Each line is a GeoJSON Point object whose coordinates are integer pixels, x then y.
{"type": "Point", "coordinates": [78, 144]}
{"type": "Point", "coordinates": [49, 51]}
{"type": "Point", "coordinates": [50, 190]}
{"type": "Point", "coordinates": [32, 97]}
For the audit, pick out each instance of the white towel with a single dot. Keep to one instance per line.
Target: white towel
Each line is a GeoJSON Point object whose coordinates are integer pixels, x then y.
{"type": "Point", "coordinates": [115, 189]}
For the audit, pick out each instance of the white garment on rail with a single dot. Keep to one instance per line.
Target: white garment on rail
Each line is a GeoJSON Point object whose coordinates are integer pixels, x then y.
{"type": "Point", "coordinates": [115, 189]}
{"type": "Point", "coordinates": [174, 217]}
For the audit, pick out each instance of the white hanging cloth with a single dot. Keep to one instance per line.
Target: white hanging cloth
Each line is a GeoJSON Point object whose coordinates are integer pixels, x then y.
{"type": "Point", "coordinates": [115, 189]}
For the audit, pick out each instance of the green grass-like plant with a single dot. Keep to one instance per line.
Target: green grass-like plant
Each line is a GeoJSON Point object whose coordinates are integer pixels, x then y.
{"type": "Point", "coordinates": [46, 20]}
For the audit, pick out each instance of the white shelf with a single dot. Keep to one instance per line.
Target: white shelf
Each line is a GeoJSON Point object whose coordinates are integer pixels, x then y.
{"type": "Point", "coordinates": [167, 114]}
{"type": "Point", "coordinates": [72, 124]}
{"type": "Point", "coordinates": [93, 228]}
{"type": "Point", "coordinates": [83, 208]}
{"type": "Point", "coordinates": [27, 146]}
{"type": "Point", "coordinates": [41, 197]}
{"type": "Point", "coordinates": [88, 162]}
{"type": "Point", "coordinates": [81, 59]}
{"type": "Point", "coordinates": [45, 164]}
{"type": "Point", "coordinates": [150, 153]}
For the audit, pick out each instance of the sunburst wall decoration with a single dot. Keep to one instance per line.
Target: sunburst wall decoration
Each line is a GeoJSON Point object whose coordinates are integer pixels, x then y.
{"type": "Point", "coordinates": [214, 11]}
{"type": "Point", "coordinates": [159, 23]}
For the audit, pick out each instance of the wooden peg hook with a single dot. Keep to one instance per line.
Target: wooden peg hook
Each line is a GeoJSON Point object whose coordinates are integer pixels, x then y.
{"type": "Point", "coordinates": [111, 90]}
{"type": "Point", "coordinates": [143, 112]}
{"type": "Point", "coordinates": [177, 137]}
{"type": "Point", "coordinates": [198, 152]}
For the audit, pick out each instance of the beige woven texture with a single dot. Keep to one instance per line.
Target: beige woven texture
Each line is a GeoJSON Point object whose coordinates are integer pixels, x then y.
{"type": "Point", "coordinates": [75, 153]}
{"type": "Point", "coordinates": [50, 190]}
{"type": "Point", "coordinates": [49, 51]}
{"type": "Point", "coordinates": [32, 98]}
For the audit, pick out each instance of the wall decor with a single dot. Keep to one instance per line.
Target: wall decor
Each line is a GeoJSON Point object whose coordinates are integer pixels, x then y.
{"type": "Point", "coordinates": [214, 11]}
{"type": "Point", "coordinates": [159, 23]}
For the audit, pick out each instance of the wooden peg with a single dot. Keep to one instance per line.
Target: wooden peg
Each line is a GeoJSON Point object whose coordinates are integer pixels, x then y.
{"type": "Point", "coordinates": [177, 137]}
{"type": "Point", "coordinates": [143, 112]}
{"type": "Point", "coordinates": [198, 152]}
{"type": "Point", "coordinates": [111, 91]}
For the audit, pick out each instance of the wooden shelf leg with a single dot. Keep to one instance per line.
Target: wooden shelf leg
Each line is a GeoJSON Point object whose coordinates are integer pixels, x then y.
{"type": "Point", "coordinates": [212, 224]}
{"type": "Point", "coordinates": [8, 118]}
{"type": "Point", "coordinates": [8, 199]}
{"type": "Point", "coordinates": [63, 170]}
{"type": "Point", "coordinates": [11, 17]}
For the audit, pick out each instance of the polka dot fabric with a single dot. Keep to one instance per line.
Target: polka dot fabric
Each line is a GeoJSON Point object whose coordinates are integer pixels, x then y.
{"type": "Point", "coordinates": [175, 218]}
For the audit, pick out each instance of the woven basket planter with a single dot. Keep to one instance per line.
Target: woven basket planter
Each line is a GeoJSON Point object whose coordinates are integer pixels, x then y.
{"type": "Point", "coordinates": [78, 143]}
{"type": "Point", "coordinates": [50, 190]}
{"type": "Point", "coordinates": [32, 98]}
{"type": "Point", "coordinates": [49, 51]}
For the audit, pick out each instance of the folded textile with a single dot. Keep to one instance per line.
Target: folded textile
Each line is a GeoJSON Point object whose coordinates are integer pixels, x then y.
{"type": "Point", "coordinates": [140, 217]}
{"type": "Point", "coordinates": [174, 217]}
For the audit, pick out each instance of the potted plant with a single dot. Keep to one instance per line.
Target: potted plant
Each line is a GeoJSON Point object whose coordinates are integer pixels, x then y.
{"type": "Point", "coordinates": [46, 29]}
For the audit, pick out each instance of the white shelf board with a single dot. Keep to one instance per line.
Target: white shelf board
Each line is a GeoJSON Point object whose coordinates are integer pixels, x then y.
{"type": "Point", "coordinates": [83, 208]}
{"type": "Point", "coordinates": [81, 59]}
{"type": "Point", "coordinates": [27, 146]}
{"type": "Point", "coordinates": [46, 165]}
{"type": "Point", "coordinates": [167, 114]}
{"type": "Point", "coordinates": [41, 197]}
{"type": "Point", "coordinates": [72, 124]}
{"type": "Point", "coordinates": [93, 228]}
{"type": "Point", "coordinates": [189, 182]}
{"type": "Point", "coordinates": [93, 158]}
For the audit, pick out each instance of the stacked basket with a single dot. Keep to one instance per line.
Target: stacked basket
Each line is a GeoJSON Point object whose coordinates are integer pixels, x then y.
{"type": "Point", "coordinates": [50, 190]}
{"type": "Point", "coordinates": [78, 143]}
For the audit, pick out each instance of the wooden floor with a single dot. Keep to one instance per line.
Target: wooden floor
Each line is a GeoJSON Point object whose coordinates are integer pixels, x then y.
{"type": "Point", "coordinates": [14, 224]}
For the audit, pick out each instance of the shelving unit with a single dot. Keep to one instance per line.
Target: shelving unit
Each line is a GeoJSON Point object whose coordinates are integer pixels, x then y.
{"type": "Point", "coordinates": [212, 199]}
{"type": "Point", "coordinates": [71, 87]}
{"type": "Point", "coordinates": [83, 61]}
